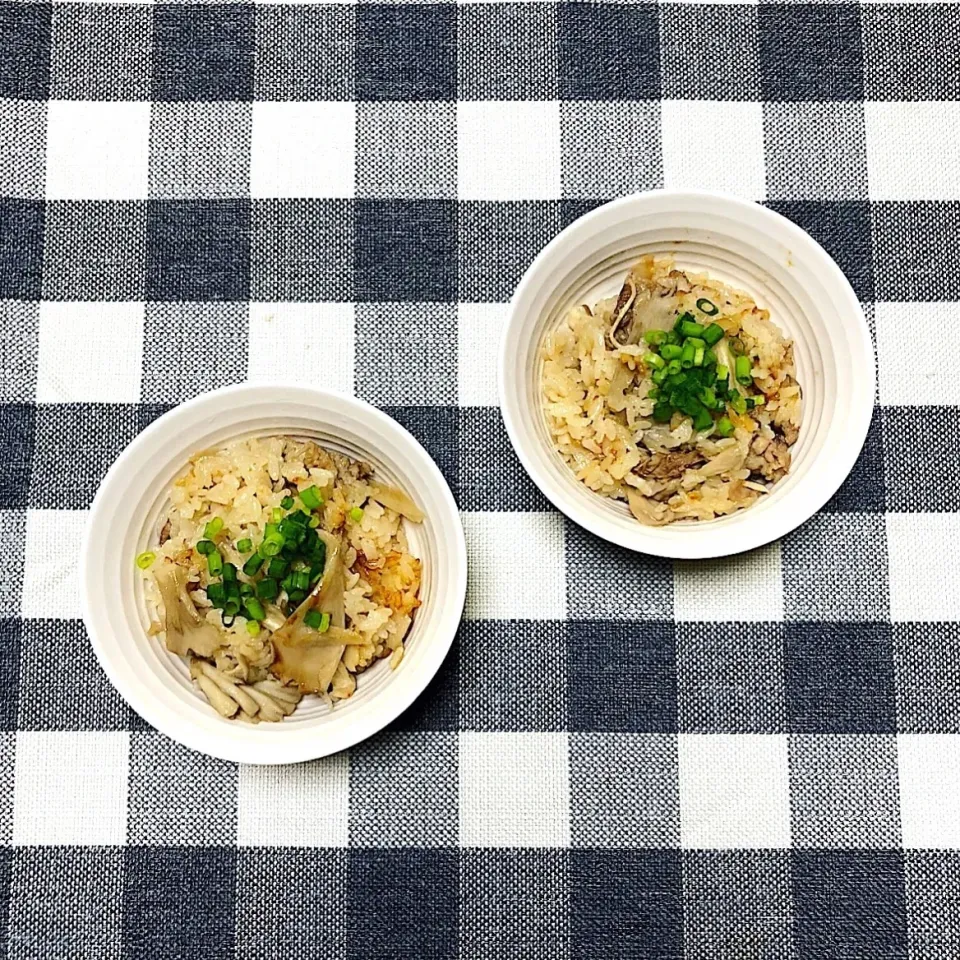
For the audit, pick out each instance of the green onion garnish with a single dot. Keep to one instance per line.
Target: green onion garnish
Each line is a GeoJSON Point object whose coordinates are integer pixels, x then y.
{"type": "Point", "coordinates": [713, 334]}
{"type": "Point", "coordinates": [655, 337]}
{"type": "Point", "coordinates": [311, 497]}
{"type": "Point", "coordinates": [725, 427]}
{"type": "Point", "coordinates": [212, 528]}
{"type": "Point", "coordinates": [690, 328]}
{"type": "Point", "coordinates": [698, 356]}
{"type": "Point", "coordinates": [313, 619]}
{"type": "Point", "coordinates": [722, 372]}
{"type": "Point", "coordinates": [707, 307]}
{"type": "Point", "coordinates": [277, 514]}
{"type": "Point", "coordinates": [743, 371]}
{"type": "Point", "coordinates": [324, 623]}
{"type": "Point", "coordinates": [253, 564]}
{"type": "Point", "coordinates": [686, 358]}
{"type": "Point", "coordinates": [671, 351]}
{"type": "Point", "coordinates": [652, 360]}
{"type": "Point", "coordinates": [205, 547]}
{"type": "Point", "coordinates": [214, 564]}
{"type": "Point", "coordinates": [246, 590]}
{"type": "Point", "coordinates": [216, 594]}
{"type": "Point", "coordinates": [662, 412]}
{"type": "Point", "coordinates": [287, 503]}
{"type": "Point", "coordinates": [270, 548]}
{"type": "Point", "coordinates": [267, 588]}
{"type": "Point", "coordinates": [229, 572]}
{"type": "Point", "coordinates": [253, 628]}
{"type": "Point", "coordinates": [314, 522]}
{"type": "Point", "coordinates": [145, 559]}
{"type": "Point", "coordinates": [254, 608]}
{"type": "Point", "coordinates": [244, 546]}
{"type": "Point", "coordinates": [277, 567]}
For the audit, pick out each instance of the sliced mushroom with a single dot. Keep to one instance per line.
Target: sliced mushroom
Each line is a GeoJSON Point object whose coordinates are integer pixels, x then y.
{"type": "Point", "coordinates": [396, 499]}
{"type": "Point", "coordinates": [224, 705]}
{"type": "Point", "coordinates": [235, 691]}
{"type": "Point", "coordinates": [645, 510]}
{"type": "Point", "coordinates": [186, 631]}
{"type": "Point", "coordinates": [302, 656]}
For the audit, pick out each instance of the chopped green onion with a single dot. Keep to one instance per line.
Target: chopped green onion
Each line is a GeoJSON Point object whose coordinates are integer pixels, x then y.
{"type": "Point", "coordinates": [736, 346]}
{"type": "Point", "coordinates": [653, 393]}
{"type": "Point", "coordinates": [253, 565]}
{"type": "Point", "coordinates": [313, 619]}
{"type": "Point", "coordinates": [314, 523]}
{"type": "Point", "coordinates": [290, 529]}
{"type": "Point", "coordinates": [707, 307]}
{"type": "Point", "coordinates": [231, 609]}
{"type": "Point", "coordinates": [276, 514]}
{"type": "Point", "coordinates": [299, 517]}
{"type": "Point", "coordinates": [229, 572]}
{"type": "Point", "coordinates": [277, 567]}
{"type": "Point", "coordinates": [709, 358]}
{"type": "Point", "coordinates": [270, 548]}
{"type": "Point", "coordinates": [743, 371]}
{"type": "Point", "coordinates": [713, 334]}
{"type": "Point", "coordinates": [287, 503]}
{"type": "Point", "coordinates": [674, 366]}
{"type": "Point", "coordinates": [709, 397]}
{"type": "Point", "coordinates": [690, 328]}
{"type": "Point", "coordinates": [324, 623]}
{"type": "Point", "coordinates": [297, 597]}
{"type": "Point", "coordinates": [652, 360]}
{"type": "Point", "coordinates": [703, 420]}
{"type": "Point", "coordinates": [301, 580]}
{"type": "Point", "coordinates": [246, 590]}
{"type": "Point", "coordinates": [725, 427]}
{"type": "Point", "coordinates": [214, 564]}
{"type": "Point", "coordinates": [722, 372]}
{"type": "Point", "coordinates": [254, 607]}
{"type": "Point", "coordinates": [316, 572]}
{"type": "Point", "coordinates": [738, 403]}
{"type": "Point", "coordinates": [698, 357]}
{"type": "Point", "coordinates": [671, 351]}
{"type": "Point", "coordinates": [145, 559]}
{"type": "Point", "coordinates": [216, 594]}
{"type": "Point", "coordinates": [686, 358]}
{"type": "Point", "coordinates": [271, 530]}
{"type": "Point", "coordinates": [245, 545]}
{"type": "Point", "coordinates": [311, 497]}
{"type": "Point", "coordinates": [205, 547]}
{"type": "Point", "coordinates": [682, 318]}
{"type": "Point", "coordinates": [673, 338]}
{"type": "Point", "coordinates": [658, 376]}
{"type": "Point", "coordinates": [759, 400]}
{"type": "Point", "coordinates": [697, 342]}
{"type": "Point", "coordinates": [253, 628]}
{"type": "Point", "coordinates": [655, 337]}
{"type": "Point", "coordinates": [267, 589]}
{"type": "Point", "coordinates": [287, 583]}
{"type": "Point", "coordinates": [662, 412]}
{"type": "Point", "coordinates": [232, 589]}
{"type": "Point", "coordinates": [212, 528]}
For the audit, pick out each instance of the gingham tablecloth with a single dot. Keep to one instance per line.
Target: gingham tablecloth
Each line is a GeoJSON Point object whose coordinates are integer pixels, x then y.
{"type": "Point", "coordinates": [754, 758]}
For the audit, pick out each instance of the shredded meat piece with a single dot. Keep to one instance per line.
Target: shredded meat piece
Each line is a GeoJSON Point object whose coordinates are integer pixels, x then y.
{"type": "Point", "coordinates": [773, 463]}
{"type": "Point", "coordinates": [666, 466]}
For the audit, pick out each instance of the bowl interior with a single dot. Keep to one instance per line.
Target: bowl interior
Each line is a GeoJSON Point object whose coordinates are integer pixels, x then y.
{"type": "Point", "coordinates": [752, 249]}
{"type": "Point", "coordinates": [127, 515]}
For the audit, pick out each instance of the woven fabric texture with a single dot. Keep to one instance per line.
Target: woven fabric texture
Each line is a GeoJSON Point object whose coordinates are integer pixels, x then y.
{"type": "Point", "coordinates": [622, 757]}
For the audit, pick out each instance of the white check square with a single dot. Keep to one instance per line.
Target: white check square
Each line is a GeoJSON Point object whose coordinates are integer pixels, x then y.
{"type": "Point", "coordinates": [71, 789]}
{"type": "Point", "coordinates": [929, 769]}
{"type": "Point", "coordinates": [921, 554]}
{"type": "Point", "coordinates": [928, 379]}
{"type": "Point", "coordinates": [478, 342]}
{"type": "Point", "coordinates": [734, 162]}
{"type": "Point", "coordinates": [299, 805]}
{"type": "Point", "coordinates": [517, 566]}
{"type": "Point", "coordinates": [514, 790]}
{"type": "Point", "coordinates": [90, 352]}
{"type": "Point", "coordinates": [303, 149]}
{"type": "Point", "coordinates": [97, 150]}
{"type": "Point", "coordinates": [734, 791]}
{"type": "Point", "coordinates": [898, 136]}
{"type": "Point", "coordinates": [310, 344]}
{"type": "Point", "coordinates": [715, 590]}
{"type": "Point", "coordinates": [53, 539]}
{"type": "Point", "coordinates": [508, 150]}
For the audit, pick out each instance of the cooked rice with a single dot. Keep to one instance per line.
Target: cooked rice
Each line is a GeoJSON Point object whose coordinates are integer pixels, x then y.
{"type": "Point", "coordinates": [241, 485]}
{"type": "Point", "coordinates": [599, 413]}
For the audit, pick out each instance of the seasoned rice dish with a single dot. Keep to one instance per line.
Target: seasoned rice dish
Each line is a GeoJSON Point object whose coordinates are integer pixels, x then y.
{"type": "Point", "coordinates": [280, 570]}
{"type": "Point", "coordinates": [678, 396]}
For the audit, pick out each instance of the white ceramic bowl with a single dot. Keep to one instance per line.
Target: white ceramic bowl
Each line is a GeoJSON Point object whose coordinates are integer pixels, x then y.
{"type": "Point", "coordinates": [751, 248]}
{"type": "Point", "coordinates": [124, 518]}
